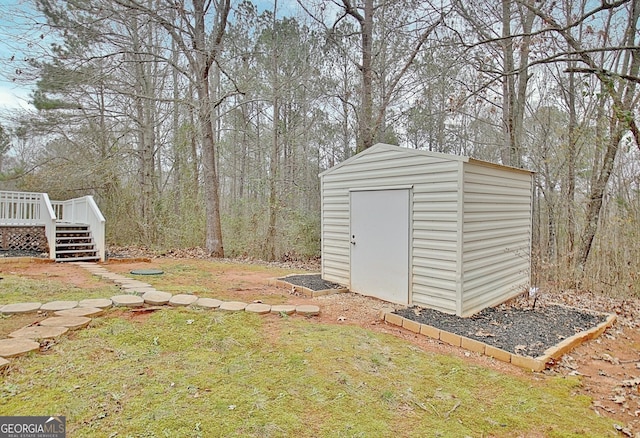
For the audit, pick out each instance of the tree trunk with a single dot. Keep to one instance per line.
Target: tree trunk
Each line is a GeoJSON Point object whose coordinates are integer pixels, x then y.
{"type": "Point", "coordinates": [508, 87]}
{"type": "Point", "coordinates": [204, 58]}
{"type": "Point", "coordinates": [213, 242]}
{"type": "Point", "coordinates": [515, 82]}
{"type": "Point", "coordinates": [594, 206]}
{"type": "Point", "coordinates": [571, 171]}
{"type": "Point", "coordinates": [274, 163]}
{"type": "Point", "coordinates": [365, 125]}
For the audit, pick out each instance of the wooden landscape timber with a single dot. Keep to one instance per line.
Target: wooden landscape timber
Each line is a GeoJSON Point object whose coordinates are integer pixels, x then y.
{"type": "Point", "coordinates": [539, 363]}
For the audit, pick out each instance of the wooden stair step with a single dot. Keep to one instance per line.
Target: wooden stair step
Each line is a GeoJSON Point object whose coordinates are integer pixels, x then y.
{"type": "Point", "coordinates": [73, 237]}
{"type": "Point", "coordinates": [73, 251]}
{"type": "Point", "coordinates": [77, 259]}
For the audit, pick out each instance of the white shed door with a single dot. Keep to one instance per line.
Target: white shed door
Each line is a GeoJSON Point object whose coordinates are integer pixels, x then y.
{"type": "Point", "coordinates": [380, 244]}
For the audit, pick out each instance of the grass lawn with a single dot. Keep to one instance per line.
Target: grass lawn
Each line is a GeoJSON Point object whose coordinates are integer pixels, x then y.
{"type": "Point", "coordinates": [16, 289]}
{"type": "Point", "coordinates": [219, 279]}
{"type": "Point", "coordinates": [196, 373]}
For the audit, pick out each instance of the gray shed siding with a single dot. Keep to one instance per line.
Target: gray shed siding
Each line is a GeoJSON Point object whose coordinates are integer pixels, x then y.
{"type": "Point", "coordinates": [434, 218]}
{"type": "Point", "coordinates": [496, 234]}
{"type": "Point", "coordinates": [470, 224]}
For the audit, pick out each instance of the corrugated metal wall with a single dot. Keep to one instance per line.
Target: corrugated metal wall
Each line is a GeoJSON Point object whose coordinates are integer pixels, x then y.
{"type": "Point", "coordinates": [496, 235]}
{"type": "Point", "coordinates": [435, 236]}
{"type": "Point", "coordinates": [471, 224]}
{"type": "Point", "coordinates": [434, 221]}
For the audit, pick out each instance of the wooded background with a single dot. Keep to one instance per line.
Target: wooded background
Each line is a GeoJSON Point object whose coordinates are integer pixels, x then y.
{"type": "Point", "coordinates": [206, 122]}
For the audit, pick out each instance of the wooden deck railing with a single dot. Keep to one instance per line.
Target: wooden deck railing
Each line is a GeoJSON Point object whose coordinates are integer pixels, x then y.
{"type": "Point", "coordinates": [84, 211]}
{"type": "Point", "coordinates": [28, 208]}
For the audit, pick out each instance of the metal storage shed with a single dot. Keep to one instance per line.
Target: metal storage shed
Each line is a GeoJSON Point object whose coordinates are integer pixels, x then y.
{"type": "Point", "coordinates": [422, 228]}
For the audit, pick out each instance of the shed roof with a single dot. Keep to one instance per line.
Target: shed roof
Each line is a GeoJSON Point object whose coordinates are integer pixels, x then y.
{"type": "Point", "coordinates": [388, 147]}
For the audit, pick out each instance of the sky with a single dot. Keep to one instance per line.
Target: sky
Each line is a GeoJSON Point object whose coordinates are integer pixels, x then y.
{"type": "Point", "coordinates": [14, 15]}
{"type": "Point", "coordinates": [13, 95]}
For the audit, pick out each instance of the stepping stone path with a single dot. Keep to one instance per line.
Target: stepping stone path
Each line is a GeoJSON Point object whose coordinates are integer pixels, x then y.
{"type": "Point", "coordinates": [156, 298]}
{"type": "Point", "coordinates": [258, 308]}
{"type": "Point", "coordinates": [71, 322]}
{"type": "Point", "coordinates": [233, 306]}
{"type": "Point", "coordinates": [307, 310]}
{"type": "Point", "coordinates": [101, 303]}
{"type": "Point", "coordinates": [59, 305]}
{"type": "Point", "coordinates": [39, 332]}
{"type": "Point", "coordinates": [287, 309]}
{"type": "Point", "coordinates": [209, 303]}
{"type": "Point", "coordinates": [143, 290]}
{"type": "Point", "coordinates": [112, 277]}
{"type": "Point", "coordinates": [182, 300]}
{"type": "Point", "coordinates": [127, 301]}
{"type": "Point", "coordinates": [80, 311]}
{"type": "Point", "coordinates": [17, 347]}
{"type": "Point", "coordinates": [135, 285]}
{"type": "Point", "coordinates": [20, 308]}
{"type": "Point", "coordinates": [72, 315]}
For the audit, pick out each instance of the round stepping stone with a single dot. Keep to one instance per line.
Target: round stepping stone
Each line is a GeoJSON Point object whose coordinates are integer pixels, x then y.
{"type": "Point", "coordinates": [147, 272]}
{"type": "Point", "coordinates": [121, 280]}
{"type": "Point", "coordinates": [111, 276]}
{"type": "Point", "coordinates": [258, 308]}
{"type": "Point", "coordinates": [71, 322]}
{"type": "Point", "coordinates": [127, 301]}
{"type": "Point", "coordinates": [209, 303]}
{"type": "Point", "coordinates": [59, 305]}
{"type": "Point", "coordinates": [307, 310]}
{"type": "Point", "coordinates": [20, 308]}
{"type": "Point", "coordinates": [99, 271]}
{"type": "Point", "coordinates": [4, 363]}
{"type": "Point", "coordinates": [142, 290]}
{"type": "Point", "coordinates": [134, 285]}
{"type": "Point", "coordinates": [80, 311]}
{"type": "Point", "coordinates": [16, 346]}
{"type": "Point", "coordinates": [287, 309]}
{"type": "Point", "coordinates": [233, 306]}
{"type": "Point", "coordinates": [38, 332]}
{"type": "Point", "coordinates": [156, 298]}
{"type": "Point", "coordinates": [101, 303]}
{"type": "Point", "coordinates": [182, 300]}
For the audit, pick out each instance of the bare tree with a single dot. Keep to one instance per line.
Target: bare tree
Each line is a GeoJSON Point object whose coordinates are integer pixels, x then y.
{"type": "Point", "coordinates": [202, 48]}
{"type": "Point", "coordinates": [510, 66]}
{"type": "Point", "coordinates": [616, 76]}
{"type": "Point", "coordinates": [411, 22]}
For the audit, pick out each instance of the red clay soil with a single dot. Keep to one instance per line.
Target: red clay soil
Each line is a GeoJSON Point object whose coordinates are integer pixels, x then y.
{"type": "Point", "coordinates": [609, 367]}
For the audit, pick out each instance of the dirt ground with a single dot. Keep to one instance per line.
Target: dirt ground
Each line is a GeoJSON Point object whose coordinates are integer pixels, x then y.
{"type": "Point", "coordinates": [609, 367]}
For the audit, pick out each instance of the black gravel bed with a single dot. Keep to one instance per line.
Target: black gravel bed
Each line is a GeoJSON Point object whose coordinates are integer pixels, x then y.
{"type": "Point", "coordinates": [313, 282]}
{"type": "Point", "coordinates": [521, 331]}
{"type": "Point", "coordinates": [21, 253]}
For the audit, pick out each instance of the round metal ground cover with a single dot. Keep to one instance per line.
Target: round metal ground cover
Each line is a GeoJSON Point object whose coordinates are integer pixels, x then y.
{"type": "Point", "coordinates": [147, 272]}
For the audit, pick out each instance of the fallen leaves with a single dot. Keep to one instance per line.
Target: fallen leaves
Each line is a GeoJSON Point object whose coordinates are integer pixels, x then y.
{"type": "Point", "coordinates": [484, 334]}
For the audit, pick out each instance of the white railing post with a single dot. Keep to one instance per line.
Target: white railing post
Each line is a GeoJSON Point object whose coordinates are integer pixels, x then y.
{"type": "Point", "coordinates": [97, 225]}
{"type": "Point", "coordinates": [29, 209]}
{"type": "Point", "coordinates": [85, 211]}
{"type": "Point", "coordinates": [20, 208]}
{"type": "Point", "coordinates": [48, 216]}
